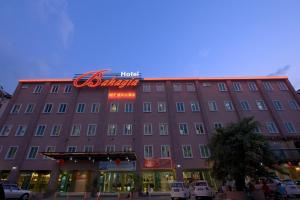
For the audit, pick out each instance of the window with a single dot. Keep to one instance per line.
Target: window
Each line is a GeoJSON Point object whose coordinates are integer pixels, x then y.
{"type": "Point", "coordinates": [183, 128]}
{"type": "Point", "coordinates": [29, 108]}
{"type": "Point", "coordinates": [277, 105]}
{"type": "Point", "coordinates": [272, 128]}
{"type": "Point", "coordinates": [88, 148]}
{"type": "Point", "coordinates": [114, 107]}
{"type": "Point", "coordinates": [32, 153]}
{"type": "Point", "coordinates": [91, 130]}
{"type": "Point", "coordinates": [147, 129]}
{"type": "Point", "coordinates": [80, 107]}
{"type": "Point", "coordinates": [110, 148]}
{"type": "Point", "coordinates": [127, 129]}
{"type": "Point", "coordinates": [222, 87]}
{"type": "Point", "coordinates": [48, 108]}
{"type": "Point", "coordinates": [212, 105]}
{"type": "Point", "coordinates": [161, 107]}
{"type": "Point", "coordinates": [187, 151]}
{"type": "Point", "coordinates": [54, 89]}
{"type": "Point", "coordinates": [112, 129]}
{"type": "Point", "coordinates": [237, 87]}
{"type": "Point", "coordinates": [38, 89]}
{"type": "Point", "coordinates": [261, 105]}
{"type": "Point", "coordinates": [62, 108]}
{"type": "Point", "coordinates": [68, 89]}
{"type": "Point", "coordinates": [195, 106]}
{"type": "Point", "coordinates": [148, 151]}
{"type": "Point", "coordinates": [245, 105]}
{"type": "Point", "coordinates": [293, 105]}
{"type": "Point", "coordinates": [49, 149]}
{"type": "Point", "coordinates": [204, 151]}
{"type": "Point", "coordinates": [56, 129]}
{"type": "Point", "coordinates": [95, 108]}
{"type": "Point", "coordinates": [1, 147]}
{"type": "Point", "coordinates": [163, 128]}
{"type": "Point", "coordinates": [257, 129]}
{"type": "Point", "coordinates": [267, 85]}
{"type": "Point", "coordinates": [71, 149]}
{"type": "Point", "coordinates": [177, 87]}
{"type": "Point", "coordinates": [199, 128]}
{"type": "Point", "coordinates": [75, 131]}
{"type": "Point", "coordinates": [40, 130]}
{"type": "Point", "coordinates": [165, 151]}
{"type": "Point", "coordinates": [252, 86]}
{"type": "Point", "coordinates": [126, 148]}
{"type": "Point", "coordinates": [16, 109]}
{"type": "Point", "coordinates": [180, 107]}
{"type": "Point", "coordinates": [218, 125]}
{"type": "Point", "coordinates": [160, 87]}
{"type": "Point", "coordinates": [5, 130]}
{"type": "Point", "coordinates": [128, 107]}
{"type": "Point", "coordinates": [146, 107]}
{"type": "Point", "coordinates": [21, 130]}
{"type": "Point", "coordinates": [289, 126]}
{"type": "Point", "coordinates": [146, 87]}
{"type": "Point", "coordinates": [228, 106]}
{"type": "Point", "coordinates": [190, 87]}
{"type": "Point", "coordinates": [11, 152]}
{"type": "Point", "coordinates": [282, 86]}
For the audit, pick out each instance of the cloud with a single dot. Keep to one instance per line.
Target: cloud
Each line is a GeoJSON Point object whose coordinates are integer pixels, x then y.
{"type": "Point", "coordinates": [281, 71]}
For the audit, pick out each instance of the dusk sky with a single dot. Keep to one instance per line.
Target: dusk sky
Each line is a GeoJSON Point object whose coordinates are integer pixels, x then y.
{"type": "Point", "coordinates": [159, 38]}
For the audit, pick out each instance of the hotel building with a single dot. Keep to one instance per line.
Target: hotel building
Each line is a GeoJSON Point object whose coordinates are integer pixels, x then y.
{"type": "Point", "coordinates": [69, 134]}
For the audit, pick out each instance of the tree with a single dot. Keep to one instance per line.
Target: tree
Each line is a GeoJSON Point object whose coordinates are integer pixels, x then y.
{"type": "Point", "coordinates": [237, 152]}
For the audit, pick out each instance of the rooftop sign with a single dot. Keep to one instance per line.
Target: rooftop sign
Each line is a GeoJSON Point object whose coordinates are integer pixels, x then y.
{"type": "Point", "coordinates": [102, 78]}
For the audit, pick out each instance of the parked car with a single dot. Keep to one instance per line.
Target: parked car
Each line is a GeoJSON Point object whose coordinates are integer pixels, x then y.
{"type": "Point", "coordinates": [291, 188]}
{"type": "Point", "coordinates": [271, 183]}
{"type": "Point", "coordinates": [179, 191]}
{"type": "Point", "coordinates": [202, 190]}
{"type": "Point", "coordinates": [12, 191]}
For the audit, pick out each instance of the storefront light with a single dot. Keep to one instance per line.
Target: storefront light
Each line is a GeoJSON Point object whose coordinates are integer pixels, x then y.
{"type": "Point", "coordinates": [297, 169]}
{"type": "Point", "coordinates": [178, 165]}
{"type": "Point", "coordinates": [14, 168]}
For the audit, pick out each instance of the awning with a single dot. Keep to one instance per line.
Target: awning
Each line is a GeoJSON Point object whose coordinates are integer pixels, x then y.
{"type": "Point", "coordinates": [97, 156]}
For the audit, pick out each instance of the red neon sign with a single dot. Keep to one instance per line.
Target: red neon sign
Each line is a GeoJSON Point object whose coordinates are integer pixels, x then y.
{"type": "Point", "coordinates": [96, 80]}
{"type": "Point", "coordinates": [121, 95]}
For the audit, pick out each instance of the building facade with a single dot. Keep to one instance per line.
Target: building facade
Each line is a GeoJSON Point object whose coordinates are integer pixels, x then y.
{"type": "Point", "coordinates": [64, 135]}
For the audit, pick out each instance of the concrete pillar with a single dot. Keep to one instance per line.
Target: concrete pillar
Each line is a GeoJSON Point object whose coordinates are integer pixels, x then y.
{"type": "Point", "coordinates": [179, 173]}
{"type": "Point", "coordinates": [14, 175]}
{"type": "Point", "coordinates": [52, 185]}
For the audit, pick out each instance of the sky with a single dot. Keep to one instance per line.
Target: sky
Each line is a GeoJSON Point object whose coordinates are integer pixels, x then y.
{"type": "Point", "coordinates": [159, 38]}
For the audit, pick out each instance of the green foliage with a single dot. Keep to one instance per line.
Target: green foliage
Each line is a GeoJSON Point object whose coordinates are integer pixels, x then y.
{"type": "Point", "coordinates": [238, 152]}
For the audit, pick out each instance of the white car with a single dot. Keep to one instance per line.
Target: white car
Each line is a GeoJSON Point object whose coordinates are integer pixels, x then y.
{"type": "Point", "coordinates": [179, 191]}
{"type": "Point", "coordinates": [202, 190]}
{"type": "Point", "coordinates": [12, 191]}
{"type": "Point", "coordinates": [291, 188]}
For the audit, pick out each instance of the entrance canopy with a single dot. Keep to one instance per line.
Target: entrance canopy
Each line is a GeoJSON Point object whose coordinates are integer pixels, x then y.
{"type": "Point", "coordinates": [97, 156]}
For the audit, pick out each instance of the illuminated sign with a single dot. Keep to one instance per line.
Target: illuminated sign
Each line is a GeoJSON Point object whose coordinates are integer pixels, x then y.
{"type": "Point", "coordinates": [158, 163]}
{"type": "Point", "coordinates": [121, 95]}
{"type": "Point", "coordinates": [122, 166]}
{"type": "Point", "coordinates": [103, 79]}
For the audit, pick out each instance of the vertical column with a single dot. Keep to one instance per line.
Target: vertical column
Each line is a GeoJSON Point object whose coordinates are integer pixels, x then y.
{"type": "Point", "coordinates": [52, 185]}
{"type": "Point", "coordinates": [234, 100]}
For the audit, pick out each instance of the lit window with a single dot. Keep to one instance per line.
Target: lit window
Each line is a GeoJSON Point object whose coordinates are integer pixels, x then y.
{"type": "Point", "coordinates": [110, 148]}
{"type": "Point", "coordinates": [75, 131]}
{"type": "Point", "coordinates": [127, 129]}
{"type": "Point", "coordinates": [112, 129]}
{"type": "Point", "coordinates": [5, 130]}
{"type": "Point", "coordinates": [228, 106]}
{"type": "Point", "coordinates": [88, 148]}
{"type": "Point", "coordinates": [222, 87]}
{"type": "Point", "coordinates": [147, 129]}
{"type": "Point", "coordinates": [128, 107]}
{"type": "Point", "coordinates": [204, 151]}
{"type": "Point", "coordinates": [21, 130]}
{"type": "Point", "coordinates": [40, 130]}
{"type": "Point", "coordinates": [183, 128]}
{"type": "Point", "coordinates": [277, 105]}
{"type": "Point", "coordinates": [272, 128]}
{"type": "Point", "coordinates": [177, 87]}
{"type": "Point", "coordinates": [282, 86]}
{"type": "Point", "coordinates": [163, 128]}
{"type": "Point", "coordinates": [114, 107]}
{"type": "Point", "coordinates": [16, 109]}
{"type": "Point", "coordinates": [294, 105]}
{"type": "Point", "coordinates": [160, 87]}
{"type": "Point", "coordinates": [237, 86]}
{"type": "Point", "coordinates": [29, 108]}
{"type": "Point", "coordinates": [71, 149]}
{"type": "Point", "coordinates": [80, 108]}
{"type": "Point", "coordinates": [212, 105]}
{"type": "Point", "coordinates": [245, 105]}
{"type": "Point", "coordinates": [38, 89]}
{"type": "Point", "coordinates": [91, 130]}
{"type": "Point", "coordinates": [11, 152]}
{"type": "Point", "coordinates": [252, 86]}
{"type": "Point", "coordinates": [56, 129]}
{"type": "Point", "coordinates": [180, 107]}
{"type": "Point", "coordinates": [267, 85]}
{"type": "Point", "coordinates": [190, 87]}
{"type": "Point", "coordinates": [195, 106]}
{"type": "Point", "coordinates": [289, 126]}
{"type": "Point", "coordinates": [148, 151]}
{"type": "Point", "coordinates": [161, 107]}
{"type": "Point", "coordinates": [199, 128]}
{"type": "Point", "coordinates": [187, 151]}
{"type": "Point", "coordinates": [147, 107]}
{"type": "Point", "coordinates": [54, 89]}
{"type": "Point", "coordinates": [32, 153]}
{"type": "Point", "coordinates": [95, 108]}
{"type": "Point", "coordinates": [165, 151]}
{"type": "Point", "coordinates": [62, 108]}
{"type": "Point", "coordinates": [68, 89]}
{"type": "Point", "coordinates": [261, 105]}
{"type": "Point", "coordinates": [146, 87]}
{"type": "Point", "coordinates": [48, 108]}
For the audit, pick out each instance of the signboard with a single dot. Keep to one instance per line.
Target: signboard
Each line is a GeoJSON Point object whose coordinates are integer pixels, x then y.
{"type": "Point", "coordinates": [158, 163]}
{"type": "Point", "coordinates": [122, 166]}
{"type": "Point", "coordinates": [102, 78]}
